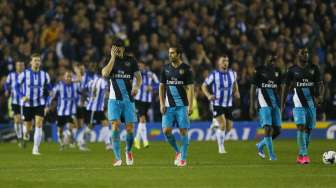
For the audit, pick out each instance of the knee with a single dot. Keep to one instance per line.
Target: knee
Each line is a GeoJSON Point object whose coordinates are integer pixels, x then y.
{"type": "Point", "coordinates": [167, 131]}
{"type": "Point", "coordinates": [115, 125]}
{"type": "Point", "coordinates": [268, 130]}
{"type": "Point", "coordinates": [183, 132]}
{"type": "Point", "coordinates": [129, 128]}
{"type": "Point", "coordinates": [142, 119]}
{"type": "Point", "coordinates": [301, 127]}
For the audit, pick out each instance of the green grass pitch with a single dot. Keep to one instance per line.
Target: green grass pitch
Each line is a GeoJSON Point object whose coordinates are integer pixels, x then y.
{"type": "Point", "coordinates": [154, 167]}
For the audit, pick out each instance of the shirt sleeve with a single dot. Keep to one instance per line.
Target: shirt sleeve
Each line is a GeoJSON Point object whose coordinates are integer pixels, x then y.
{"type": "Point", "coordinates": [189, 76]}
{"type": "Point", "coordinates": [210, 79]}
{"type": "Point", "coordinates": [8, 83]}
{"type": "Point", "coordinates": [20, 81]}
{"type": "Point", "coordinates": [163, 76]}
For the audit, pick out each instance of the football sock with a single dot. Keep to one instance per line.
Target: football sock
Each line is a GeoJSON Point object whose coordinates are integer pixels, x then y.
{"type": "Point", "coordinates": [307, 137]}
{"type": "Point", "coordinates": [220, 134]}
{"type": "Point", "coordinates": [138, 133]}
{"type": "Point", "coordinates": [269, 145]}
{"type": "Point", "coordinates": [18, 130]}
{"type": "Point", "coordinates": [184, 147]}
{"type": "Point", "coordinates": [37, 137]}
{"type": "Point", "coordinates": [143, 133]}
{"type": "Point", "coordinates": [301, 141]}
{"type": "Point", "coordinates": [74, 133]}
{"type": "Point", "coordinates": [262, 143]}
{"type": "Point", "coordinates": [106, 135]}
{"type": "Point", "coordinates": [129, 141]}
{"type": "Point", "coordinates": [172, 141]}
{"type": "Point", "coordinates": [116, 144]}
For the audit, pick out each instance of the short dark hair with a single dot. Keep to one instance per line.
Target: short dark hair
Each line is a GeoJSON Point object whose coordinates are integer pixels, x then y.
{"type": "Point", "coordinates": [118, 42]}
{"type": "Point", "coordinates": [178, 49]}
{"type": "Point", "coordinates": [35, 55]}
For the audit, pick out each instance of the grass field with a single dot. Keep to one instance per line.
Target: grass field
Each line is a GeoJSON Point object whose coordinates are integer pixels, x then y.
{"type": "Point", "coordinates": [153, 167]}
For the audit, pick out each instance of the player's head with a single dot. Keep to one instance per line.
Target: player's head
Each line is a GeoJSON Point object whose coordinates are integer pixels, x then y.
{"type": "Point", "coordinates": [270, 60]}
{"type": "Point", "coordinates": [142, 65]}
{"type": "Point", "coordinates": [223, 62]}
{"type": "Point", "coordinates": [19, 66]}
{"type": "Point", "coordinates": [35, 61]}
{"type": "Point", "coordinates": [119, 45]}
{"type": "Point", "coordinates": [175, 53]}
{"type": "Point", "coordinates": [67, 76]}
{"type": "Point", "coordinates": [92, 67]}
{"type": "Point", "coordinates": [303, 55]}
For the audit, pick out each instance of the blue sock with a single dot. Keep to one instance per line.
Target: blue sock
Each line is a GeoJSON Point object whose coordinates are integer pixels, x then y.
{"type": "Point", "coordinates": [307, 137]}
{"type": "Point", "coordinates": [301, 141]}
{"type": "Point", "coordinates": [129, 141]}
{"type": "Point", "coordinates": [116, 144]}
{"type": "Point", "coordinates": [269, 145]}
{"type": "Point", "coordinates": [261, 143]}
{"type": "Point", "coordinates": [172, 141]}
{"type": "Point", "coordinates": [184, 147]}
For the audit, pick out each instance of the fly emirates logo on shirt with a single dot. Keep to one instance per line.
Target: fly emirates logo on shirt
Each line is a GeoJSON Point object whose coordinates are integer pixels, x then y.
{"type": "Point", "coordinates": [269, 84]}
{"type": "Point", "coordinates": [304, 83]}
{"type": "Point", "coordinates": [174, 81]}
{"type": "Point", "coordinates": [121, 74]}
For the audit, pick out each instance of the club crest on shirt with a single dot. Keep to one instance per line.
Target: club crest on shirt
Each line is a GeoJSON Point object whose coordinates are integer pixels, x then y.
{"type": "Point", "coordinates": [181, 71]}
{"type": "Point", "coordinates": [127, 63]}
{"type": "Point", "coordinates": [276, 74]}
{"type": "Point", "coordinates": [312, 71]}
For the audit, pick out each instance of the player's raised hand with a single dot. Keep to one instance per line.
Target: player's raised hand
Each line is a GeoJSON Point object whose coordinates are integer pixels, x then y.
{"type": "Point", "coordinates": [114, 51]}
{"type": "Point", "coordinates": [135, 91]}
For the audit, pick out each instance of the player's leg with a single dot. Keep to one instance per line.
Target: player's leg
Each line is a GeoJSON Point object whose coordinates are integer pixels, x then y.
{"type": "Point", "coordinates": [28, 122]}
{"type": "Point", "coordinates": [265, 116]}
{"type": "Point", "coordinates": [143, 130]}
{"type": "Point", "coordinates": [300, 121]}
{"type": "Point", "coordinates": [114, 113]}
{"type": "Point", "coordinates": [18, 128]}
{"type": "Point", "coordinates": [129, 113]}
{"type": "Point", "coordinates": [220, 133]}
{"type": "Point", "coordinates": [60, 126]}
{"type": "Point", "coordinates": [106, 133]}
{"type": "Point", "coordinates": [74, 130]}
{"type": "Point", "coordinates": [38, 131]}
{"type": "Point", "coordinates": [182, 118]}
{"type": "Point", "coordinates": [310, 124]}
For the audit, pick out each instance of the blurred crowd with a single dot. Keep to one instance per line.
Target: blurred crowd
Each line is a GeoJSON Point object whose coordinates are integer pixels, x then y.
{"type": "Point", "coordinates": [81, 31]}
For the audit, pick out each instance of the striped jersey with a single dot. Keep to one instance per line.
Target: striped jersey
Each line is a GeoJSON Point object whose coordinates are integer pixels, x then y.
{"type": "Point", "coordinates": [304, 81]}
{"type": "Point", "coordinates": [82, 99]}
{"type": "Point", "coordinates": [97, 89]}
{"type": "Point", "coordinates": [121, 78]}
{"type": "Point", "coordinates": [221, 84]}
{"type": "Point", "coordinates": [267, 80]}
{"type": "Point", "coordinates": [10, 85]}
{"type": "Point", "coordinates": [149, 80]}
{"type": "Point", "coordinates": [67, 96]}
{"type": "Point", "coordinates": [175, 80]}
{"type": "Point", "coordinates": [35, 85]}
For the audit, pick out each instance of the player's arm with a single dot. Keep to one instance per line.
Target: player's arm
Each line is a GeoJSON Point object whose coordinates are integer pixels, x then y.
{"type": "Point", "coordinates": [137, 84]}
{"type": "Point", "coordinates": [208, 81]}
{"type": "Point", "coordinates": [162, 91]}
{"type": "Point", "coordinates": [78, 74]}
{"type": "Point", "coordinates": [252, 96]}
{"type": "Point", "coordinates": [20, 81]}
{"type": "Point", "coordinates": [7, 86]}
{"type": "Point", "coordinates": [236, 88]}
{"type": "Point", "coordinates": [285, 88]}
{"type": "Point", "coordinates": [190, 95]}
{"type": "Point", "coordinates": [48, 92]}
{"type": "Point", "coordinates": [318, 86]}
{"type": "Point", "coordinates": [108, 68]}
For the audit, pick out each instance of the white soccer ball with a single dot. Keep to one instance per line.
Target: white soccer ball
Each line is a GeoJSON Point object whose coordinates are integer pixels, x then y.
{"type": "Point", "coordinates": [329, 157]}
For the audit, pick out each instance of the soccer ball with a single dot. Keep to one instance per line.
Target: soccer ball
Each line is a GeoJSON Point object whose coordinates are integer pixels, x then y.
{"type": "Point", "coordinates": [329, 157]}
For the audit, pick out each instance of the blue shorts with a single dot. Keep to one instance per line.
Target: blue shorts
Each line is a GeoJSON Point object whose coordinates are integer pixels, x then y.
{"type": "Point", "coordinates": [119, 108]}
{"type": "Point", "coordinates": [270, 116]}
{"type": "Point", "coordinates": [178, 114]}
{"type": "Point", "coordinates": [305, 116]}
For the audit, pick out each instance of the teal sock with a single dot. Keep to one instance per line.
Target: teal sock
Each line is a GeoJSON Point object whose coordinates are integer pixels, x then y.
{"type": "Point", "coordinates": [269, 145]}
{"type": "Point", "coordinates": [116, 144]}
{"type": "Point", "coordinates": [301, 141]}
{"type": "Point", "coordinates": [184, 147]}
{"type": "Point", "coordinates": [172, 141]}
{"type": "Point", "coordinates": [261, 143]}
{"type": "Point", "coordinates": [307, 136]}
{"type": "Point", "coordinates": [129, 141]}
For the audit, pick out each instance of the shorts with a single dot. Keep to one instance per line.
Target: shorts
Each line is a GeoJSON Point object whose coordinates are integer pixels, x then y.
{"type": "Point", "coordinates": [305, 116]}
{"type": "Point", "coordinates": [97, 117]}
{"type": "Point", "coordinates": [270, 116]}
{"type": "Point", "coordinates": [29, 113]}
{"type": "Point", "coordinates": [121, 108]}
{"type": "Point", "coordinates": [178, 114]}
{"type": "Point", "coordinates": [220, 110]}
{"type": "Point", "coordinates": [142, 107]}
{"type": "Point", "coordinates": [16, 109]}
{"type": "Point", "coordinates": [63, 120]}
{"type": "Point", "coordinates": [81, 112]}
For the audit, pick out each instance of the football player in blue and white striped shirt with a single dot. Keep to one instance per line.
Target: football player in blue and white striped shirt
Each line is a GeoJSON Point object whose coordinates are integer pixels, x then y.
{"type": "Point", "coordinates": [97, 90]}
{"type": "Point", "coordinates": [67, 93]}
{"type": "Point", "coordinates": [35, 84]}
{"type": "Point", "coordinates": [10, 91]}
{"type": "Point", "coordinates": [143, 102]}
{"type": "Point", "coordinates": [223, 84]}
